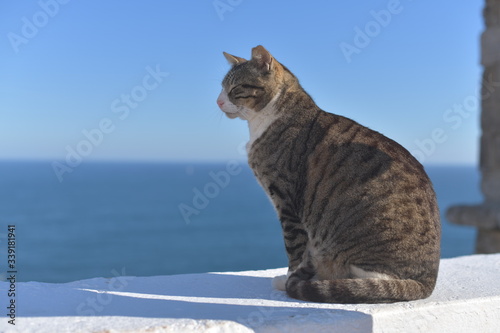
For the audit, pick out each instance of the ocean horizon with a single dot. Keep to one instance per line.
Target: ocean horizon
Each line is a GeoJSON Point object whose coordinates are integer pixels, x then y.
{"type": "Point", "coordinates": [163, 218]}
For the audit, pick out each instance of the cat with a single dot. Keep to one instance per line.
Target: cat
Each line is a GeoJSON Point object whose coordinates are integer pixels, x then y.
{"type": "Point", "coordinates": [358, 212]}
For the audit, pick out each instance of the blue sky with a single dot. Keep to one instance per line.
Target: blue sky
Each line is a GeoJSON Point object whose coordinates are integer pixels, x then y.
{"type": "Point", "coordinates": [138, 80]}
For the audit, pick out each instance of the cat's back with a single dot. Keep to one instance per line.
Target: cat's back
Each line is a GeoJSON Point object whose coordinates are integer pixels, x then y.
{"type": "Point", "coordinates": [347, 161]}
{"type": "Point", "coordinates": [317, 138]}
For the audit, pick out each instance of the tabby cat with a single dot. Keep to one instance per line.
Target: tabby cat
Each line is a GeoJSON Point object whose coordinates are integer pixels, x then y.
{"type": "Point", "coordinates": [358, 212]}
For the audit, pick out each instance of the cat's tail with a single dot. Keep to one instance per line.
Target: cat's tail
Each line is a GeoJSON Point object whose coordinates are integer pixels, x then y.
{"type": "Point", "coordinates": [353, 291]}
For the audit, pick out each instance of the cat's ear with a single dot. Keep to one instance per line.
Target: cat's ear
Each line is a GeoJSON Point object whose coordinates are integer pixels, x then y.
{"type": "Point", "coordinates": [263, 57]}
{"type": "Point", "coordinates": [233, 60]}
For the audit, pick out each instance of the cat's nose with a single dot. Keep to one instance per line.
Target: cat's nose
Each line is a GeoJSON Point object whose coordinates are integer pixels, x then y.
{"type": "Point", "coordinates": [220, 103]}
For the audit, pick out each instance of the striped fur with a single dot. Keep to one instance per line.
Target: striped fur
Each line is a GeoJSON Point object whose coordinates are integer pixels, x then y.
{"type": "Point", "coordinates": [358, 212]}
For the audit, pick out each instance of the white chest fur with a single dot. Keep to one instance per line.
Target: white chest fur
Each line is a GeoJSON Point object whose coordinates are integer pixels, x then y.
{"type": "Point", "coordinates": [258, 122]}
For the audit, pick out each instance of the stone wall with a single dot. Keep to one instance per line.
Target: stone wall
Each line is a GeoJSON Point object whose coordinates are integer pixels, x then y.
{"type": "Point", "coordinates": [486, 217]}
{"type": "Point", "coordinates": [489, 240]}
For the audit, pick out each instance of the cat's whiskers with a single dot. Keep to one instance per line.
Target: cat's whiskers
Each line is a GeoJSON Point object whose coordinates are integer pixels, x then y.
{"type": "Point", "coordinates": [244, 113]}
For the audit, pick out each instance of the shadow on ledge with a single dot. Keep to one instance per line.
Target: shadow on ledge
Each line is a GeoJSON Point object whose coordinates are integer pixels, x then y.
{"type": "Point", "coordinates": [248, 300]}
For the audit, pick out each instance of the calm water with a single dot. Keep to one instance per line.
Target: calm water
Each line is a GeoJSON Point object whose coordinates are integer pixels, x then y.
{"type": "Point", "coordinates": [159, 219]}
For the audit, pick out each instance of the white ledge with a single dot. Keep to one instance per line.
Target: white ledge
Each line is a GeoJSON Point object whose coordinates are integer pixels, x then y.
{"type": "Point", "coordinates": [466, 299]}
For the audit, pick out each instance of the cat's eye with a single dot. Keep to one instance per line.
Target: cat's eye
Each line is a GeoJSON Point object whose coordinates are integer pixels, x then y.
{"type": "Point", "coordinates": [232, 89]}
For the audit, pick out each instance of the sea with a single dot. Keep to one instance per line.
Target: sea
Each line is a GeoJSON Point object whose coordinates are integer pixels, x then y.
{"type": "Point", "coordinates": [104, 219]}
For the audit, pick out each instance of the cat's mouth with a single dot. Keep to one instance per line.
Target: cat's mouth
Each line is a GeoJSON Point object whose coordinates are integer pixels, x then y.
{"type": "Point", "coordinates": [231, 115]}
{"type": "Point", "coordinates": [232, 111]}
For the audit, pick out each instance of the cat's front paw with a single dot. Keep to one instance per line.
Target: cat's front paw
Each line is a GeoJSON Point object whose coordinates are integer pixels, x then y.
{"type": "Point", "coordinates": [279, 282]}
